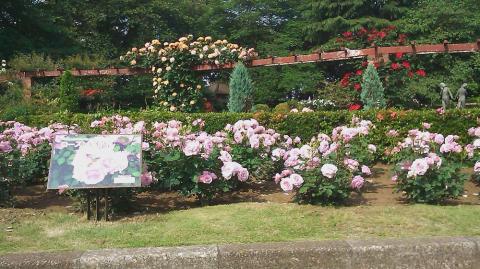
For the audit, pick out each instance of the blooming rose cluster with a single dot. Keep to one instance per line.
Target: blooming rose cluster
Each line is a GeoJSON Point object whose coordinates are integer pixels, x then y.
{"type": "Point", "coordinates": [429, 148]}
{"type": "Point", "coordinates": [16, 135]}
{"type": "Point", "coordinates": [177, 59]}
{"type": "Point", "coordinates": [327, 153]}
{"type": "Point", "coordinates": [250, 133]}
{"type": "Point", "coordinates": [472, 149]}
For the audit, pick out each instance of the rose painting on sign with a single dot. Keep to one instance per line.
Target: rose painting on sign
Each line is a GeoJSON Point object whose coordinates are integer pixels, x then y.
{"type": "Point", "coordinates": [95, 161]}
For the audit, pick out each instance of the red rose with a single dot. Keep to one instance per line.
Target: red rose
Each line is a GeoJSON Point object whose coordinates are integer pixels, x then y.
{"type": "Point", "coordinates": [406, 64]}
{"type": "Point", "coordinates": [359, 72]}
{"type": "Point", "coordinates": [364, 63]}
{"type": "Point", "coordinates": [362, 31]}
{"type": "Point", "coordinates": [382, 34]}
{"type": "Point", "coordinates": [421, 72]}
{"type": "Point", "coordinates": [357, 86]}
{"type": "Point", "coordinates": [410, 74]}
{"type": "Point", "coordinates": [354, 107]}
{"type": "Point", "coordinates": [398, 55]}
{"type": "Point", "coordinates": [395, 66]}
{"type": "Point", "coordinates": [347, 34]}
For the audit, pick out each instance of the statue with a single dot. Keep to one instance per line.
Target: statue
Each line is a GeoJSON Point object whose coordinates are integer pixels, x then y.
{"type": "Point", "coordinates": [461, 95]}
{"type": "Point", "coordinates": [446, 95]}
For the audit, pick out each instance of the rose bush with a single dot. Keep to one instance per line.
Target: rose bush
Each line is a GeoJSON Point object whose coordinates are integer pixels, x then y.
{"type": "Point", "coordinates": [175, 85]}
{"type": "Point", "coordinates": [473, 153]}
{"type": "Point", "coordinates": [328, 168]}
{"type": "Point", "coordinates": [428, 166]}
{"type": "Point", "coordinates": [25, 153]}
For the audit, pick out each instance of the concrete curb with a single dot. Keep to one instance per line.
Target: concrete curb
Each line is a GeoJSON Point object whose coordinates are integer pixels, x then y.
{"type": "Point", "coordinates": [435, 252]}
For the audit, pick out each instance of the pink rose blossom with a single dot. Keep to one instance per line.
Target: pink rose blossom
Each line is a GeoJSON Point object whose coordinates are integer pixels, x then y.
{"type": "Point", "coordinates": [207, 177]}
{"type": "Point", "coordinates": [296, 180]}
{"type": "Point", "coordinates": [366, 170]}
{"type": "Point", "coordinates": [286, 185]}
{"type": "Point", "coordinates": [329, 170]}
{"type": "Point", "coordinates": [476, 168]}
{"type": "Point", "coordinates": [357, 182]}
{"type": "Point", "coordinates": [242, 174]}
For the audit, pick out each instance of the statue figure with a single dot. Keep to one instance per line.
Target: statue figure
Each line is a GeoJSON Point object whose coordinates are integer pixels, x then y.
{"type": "Point", "coordinates": [446, 95]}
{"type": "Point", "coordinates": [461, 95]}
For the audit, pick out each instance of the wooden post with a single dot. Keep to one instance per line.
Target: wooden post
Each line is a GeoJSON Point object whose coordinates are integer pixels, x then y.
{"type": "Point", "coordinates": [445, 45]}
{"type": "Point", "coordinates": [106, 204]}
{"type": "Point", "coordinates": [414, 47]}
{"type": "Point", "coordinates": [89, 209]}
{"type": "Point", "coordinates": [97, 205]}
{"type": "Point", "coordinates": [27, 87]}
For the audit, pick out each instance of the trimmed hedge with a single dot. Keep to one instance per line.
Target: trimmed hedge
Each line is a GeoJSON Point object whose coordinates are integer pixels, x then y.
{"type": "Point", "coordinates": [304, 125]}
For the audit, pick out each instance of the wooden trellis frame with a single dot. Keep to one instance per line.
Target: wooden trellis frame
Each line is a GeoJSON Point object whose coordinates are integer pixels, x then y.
{"type": "Point", "coordinates": [375, 53]}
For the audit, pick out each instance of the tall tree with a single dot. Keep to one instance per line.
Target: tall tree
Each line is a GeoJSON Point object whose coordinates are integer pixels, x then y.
{"type": "Point", "coordinates": [328, 18]}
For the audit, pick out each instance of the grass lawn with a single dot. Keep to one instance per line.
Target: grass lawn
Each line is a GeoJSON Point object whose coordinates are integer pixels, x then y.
{"type": "Point", "coordinates": [241, 222]}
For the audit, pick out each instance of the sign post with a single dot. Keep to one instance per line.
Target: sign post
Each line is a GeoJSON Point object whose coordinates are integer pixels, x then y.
{"type": "Point", "coordinates": [94, 164]}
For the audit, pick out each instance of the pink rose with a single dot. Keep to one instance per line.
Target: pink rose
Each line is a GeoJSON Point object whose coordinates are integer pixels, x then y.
{"type": "Point", "coordinates": [329, 170]}
{"type": "Point", "coordinates": [192, 148]}
{"type": "Point", "coordinates": [207, 177]}
{"type": "Point", "coordinates": [229, 169]}
{"type": "Point", "coordinates": [296, 180]}
{"type": "Point", "coordinates": [146, 178]}
{"type": "Point", "coordinates": [242, 174]}
{"type": "Point", "coordinates": [286, 185]}
{"type": "Point", "coordinates": [419, 168]}
{"type": "Point", "coordinates": [476, 168]}
{"type": "Point", "coordinates": [366, 170]}
{"type": "Point", "coordinates": [439, 139]}
{"type": "Point", "coordinates": [351, 164]}
{"type": "Point", "coordinates": [225, 156]}
{"type": "Point", "coordinates": [357, 182]}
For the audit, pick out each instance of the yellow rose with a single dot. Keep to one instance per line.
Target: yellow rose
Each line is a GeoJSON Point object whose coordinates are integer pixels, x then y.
{"type": "Point", "coordinates": [199, 87]}
{"type": "Point", "coordinates": [174, 94]}
{"type": "Point", "coordinates": [192, 102]}
{"type": "Point", "coordinates": [173, 108]}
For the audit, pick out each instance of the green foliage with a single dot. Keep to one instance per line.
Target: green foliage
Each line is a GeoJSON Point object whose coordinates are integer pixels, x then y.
{"type": "Point", "coordinates": [372, 95]}
{"type": "Point", "coordinates": [431, 22]}
{"type": "Point", "coordinates": [261, 108]}
{"type": "Point", "coordinates": [282, 108]}
{"type": "Point", "coordinates": [32, 62]}
{"type": "Point", "coordinates": [303, 125]}
{"type": "Point", "coordinates": [69, 94]}
{"type": "Point", "coordinates": [317, 189]}
{"type": "Point", "coordinates": [329, 18]}
{"type": "Point", "coordinates": [241, 90]}
{"type": "Point", "coordinates": [84, 61]}
{"type": "Point", "coordinates": [176, 171]}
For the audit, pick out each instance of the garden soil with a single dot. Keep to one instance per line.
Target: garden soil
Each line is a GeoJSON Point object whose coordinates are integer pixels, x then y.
{"type": "Point", "coordinates": [379, 191]}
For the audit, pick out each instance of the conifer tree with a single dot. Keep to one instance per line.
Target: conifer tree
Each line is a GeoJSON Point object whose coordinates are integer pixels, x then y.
{"type": "Point", "coordinates": [69, 95]}
{"type": "Point", "coordinates": [241, 90]}
{"type": "Point", "coordinates": [372, 95]}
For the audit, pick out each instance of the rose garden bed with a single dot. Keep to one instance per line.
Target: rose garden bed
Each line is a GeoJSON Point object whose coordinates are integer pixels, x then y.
{"type": "Point", "coordinates": [45, 221]}
{"type": "Point", "coordinates": [250, 175]}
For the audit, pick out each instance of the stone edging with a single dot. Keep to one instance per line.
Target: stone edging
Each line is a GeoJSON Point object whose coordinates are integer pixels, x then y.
{"type": "Point", "coordinates": [434, 252]}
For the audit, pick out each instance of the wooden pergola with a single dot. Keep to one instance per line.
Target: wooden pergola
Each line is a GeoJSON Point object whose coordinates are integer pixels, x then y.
{"type": "Point", "coordinates": [378, 54]}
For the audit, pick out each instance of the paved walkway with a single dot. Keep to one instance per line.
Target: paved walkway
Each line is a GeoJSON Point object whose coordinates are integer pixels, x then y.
{"type": "Point", "coordinates": [435, 252]}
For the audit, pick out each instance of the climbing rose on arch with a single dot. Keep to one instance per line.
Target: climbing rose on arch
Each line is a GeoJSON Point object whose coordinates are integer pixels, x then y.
{"type": "Point", "coordinates": [175, 85]}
